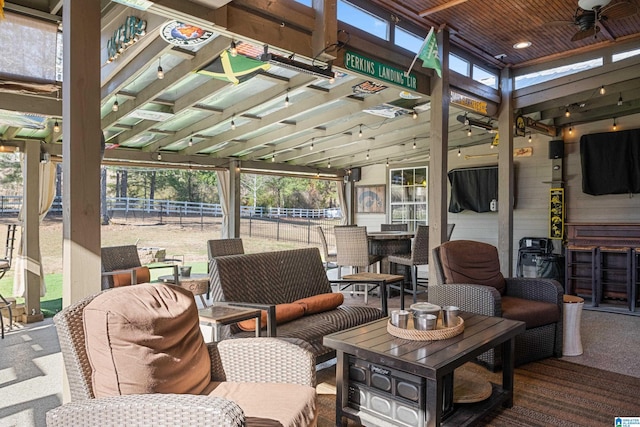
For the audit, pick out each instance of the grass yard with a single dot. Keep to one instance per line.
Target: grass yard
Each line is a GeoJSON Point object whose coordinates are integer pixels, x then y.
{"type": "Point", "coordinates": [188, 242]}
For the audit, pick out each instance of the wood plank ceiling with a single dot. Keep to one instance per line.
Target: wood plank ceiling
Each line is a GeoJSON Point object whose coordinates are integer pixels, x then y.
{"type": "Point", "coordinates": [190, 120]}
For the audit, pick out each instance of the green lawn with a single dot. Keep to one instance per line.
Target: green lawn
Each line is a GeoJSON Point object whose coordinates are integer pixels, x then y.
{"type": "Point", "coordinates": [51, 303]}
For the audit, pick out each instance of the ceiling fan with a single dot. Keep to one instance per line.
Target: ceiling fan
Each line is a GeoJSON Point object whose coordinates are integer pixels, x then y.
{"type": "Point", "coordinates": [591, 14]}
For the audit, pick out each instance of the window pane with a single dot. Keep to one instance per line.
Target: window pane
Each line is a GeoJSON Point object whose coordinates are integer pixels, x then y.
{"type": "Point", "coordinates": [624, 55]}
{"type": "Point", "coordinates": [362, 20]}
{"type": "Point", "coordinates": [485, 77]}
{"type": "Point", "coordinates": [458, 65]}
{"type": "Point", "coordinates": [554, 73]}
{"type": "Point", "coordinates": [304, 2]}
{"type": "Point", "coordinates": [407, 40]}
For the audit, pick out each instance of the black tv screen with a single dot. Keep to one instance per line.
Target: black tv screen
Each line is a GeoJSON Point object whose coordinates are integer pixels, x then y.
{"type": "Point", "coordinates": [611, 162]}
{"type": "Point", "coordinates": [473, 188]}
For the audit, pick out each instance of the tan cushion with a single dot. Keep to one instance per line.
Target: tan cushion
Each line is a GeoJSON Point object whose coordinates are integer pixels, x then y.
{"type": "Point", "coordinates": [533, 313]}
{"type": "Point", "coordinates": [271, 404]}
{"type": "Point", "coordinates": [466, 261]}
{"type": "Point", "coordinates": [143, 275]}
{"type": "Point", "coordinates": [321, 302]}
{"type": "Point", "coordinates": [145, 339]}
{"type": "Point", "coordinates": [284, 313]}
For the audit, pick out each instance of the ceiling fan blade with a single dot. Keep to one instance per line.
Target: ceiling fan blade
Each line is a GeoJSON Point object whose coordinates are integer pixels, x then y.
{"type": "Point", "coordinates": [618, 10]}
{"type": "Point", "coordinates": [583, 34]}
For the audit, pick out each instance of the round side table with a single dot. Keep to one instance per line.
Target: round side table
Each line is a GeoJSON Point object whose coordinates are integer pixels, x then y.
{"type": "Point", "coordinates": [572, 313]}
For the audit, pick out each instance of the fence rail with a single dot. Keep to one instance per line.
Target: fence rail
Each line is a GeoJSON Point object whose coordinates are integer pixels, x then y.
{"type": "Point", "coordinates": [288, 224]}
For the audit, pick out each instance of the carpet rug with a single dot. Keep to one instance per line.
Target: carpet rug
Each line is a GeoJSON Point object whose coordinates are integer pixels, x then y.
{"type": "Point", "coordinates": [550, 392]}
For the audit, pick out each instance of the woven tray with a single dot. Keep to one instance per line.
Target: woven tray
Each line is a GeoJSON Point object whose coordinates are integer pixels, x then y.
{"type": "Point", "coordinates": [439, 333]}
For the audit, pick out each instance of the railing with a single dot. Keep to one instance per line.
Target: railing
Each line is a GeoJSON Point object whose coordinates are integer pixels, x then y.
{"type": "Point", "coordinates": [289, 224]}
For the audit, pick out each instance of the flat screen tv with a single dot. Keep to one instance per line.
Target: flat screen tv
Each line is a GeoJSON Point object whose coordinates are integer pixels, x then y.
{"type": "Point", "coordinates": [473, 188]}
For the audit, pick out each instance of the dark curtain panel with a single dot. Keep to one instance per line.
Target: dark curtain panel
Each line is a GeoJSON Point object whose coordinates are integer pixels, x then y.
{"type": "Point", "coordinates": [611, 162]}
{"type": "Point", "coordinates": [473, 188]}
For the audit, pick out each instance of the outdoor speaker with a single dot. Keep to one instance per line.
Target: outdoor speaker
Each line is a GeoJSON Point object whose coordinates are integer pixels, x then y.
{"type": "Point", "coordinates": [556, 149]}
{"type": "Point", "coordinates": [355, 174]}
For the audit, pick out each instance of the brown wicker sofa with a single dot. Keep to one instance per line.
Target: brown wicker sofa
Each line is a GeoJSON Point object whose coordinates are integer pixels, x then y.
{"type": "Point", "coordinates": [279, 277]}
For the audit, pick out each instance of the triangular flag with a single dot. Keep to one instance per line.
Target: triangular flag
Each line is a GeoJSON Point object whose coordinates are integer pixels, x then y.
{"type": "Point", "coordinates": [234, 69]}
{"type": "Point", "coordinates": [429, 53]}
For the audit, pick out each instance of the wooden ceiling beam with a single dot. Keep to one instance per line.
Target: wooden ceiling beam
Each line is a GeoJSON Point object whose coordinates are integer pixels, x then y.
{"type": "Point", "coordinates": [441, 7]}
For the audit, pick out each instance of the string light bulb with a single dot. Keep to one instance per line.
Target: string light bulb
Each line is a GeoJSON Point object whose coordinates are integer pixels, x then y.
{"type": "Point", "coordinates": [311, 146]}
{"type": "Point", "coordinates": [459, 152]}
{"type": "Point", "coordinates": [567, 113]}
{"type": "Point", "coordinates": [570, 130]}
{"type": "Point", "coordinates": [602, 90]}
{"type": "Point", "coordinates": [159, 156]}
{"type": "Point", "coordinates": [233, 50]}
{"type": "Point", "coordinates": [329, 163]}
{"type": "Point", "coordinates": [56, 126]}
{"type": "Point", "coordinates": [360, 132]}
{"type": "Point", "coordinates": [387, 164]}
{"type": "Point", "coordinates": [233, 122]}
{"type": "Point", "coordinates": [367, 154]}
{"type": "Point", "coordinates": [620, 101]}
{"type": "Point", "coordinates": [615, 126]}
{"type": "Point", "coordinates": [286, 99]}
{"type": "Point", "coordinates": [191, 141]}
{"type": "Point", "coordinates": [529, 137]}
{"type": "Point", "coordinates": [273, 157]}
{"type": "Point", "coordinates": [469, 132]}
{"type": "Point", "coordinates": [160, 72]}
{"type": "Point", "coordinates": [116, 106]}
{"type": "Point", "coordinates": [414, 115]}
{"type": "Point", "coordinates": [414, 143]}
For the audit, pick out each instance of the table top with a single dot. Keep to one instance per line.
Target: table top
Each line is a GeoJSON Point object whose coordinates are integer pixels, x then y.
{"type": "Point", "coordinates": [390, 235]}
{"type": "Point", "coordinates": [222, 313]}
{"type": "Point", "coordinates": [168, 278]}
{"type": "Point", "coordinates": [428, 359]}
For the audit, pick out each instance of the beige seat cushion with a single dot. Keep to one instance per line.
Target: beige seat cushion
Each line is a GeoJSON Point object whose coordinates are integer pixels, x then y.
{"type": "Point", "coordinates": [270, 404]}
{"type": "Point", "coordinates": [146, 339]}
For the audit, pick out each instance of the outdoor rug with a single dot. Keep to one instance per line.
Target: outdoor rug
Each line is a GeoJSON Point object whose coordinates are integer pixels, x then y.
{"type": "Point", "coordinates": [550, 392]}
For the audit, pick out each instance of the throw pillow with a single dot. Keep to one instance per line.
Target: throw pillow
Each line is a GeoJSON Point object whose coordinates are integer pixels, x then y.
{"type": "Point", "coordinates": [284, 313]}
{"type": "Point", "coordinates": [145, 339]}
{"type": "Point", "coordinates": [143, 275]}
{"type": "Point", "coordinates": [321, 302]}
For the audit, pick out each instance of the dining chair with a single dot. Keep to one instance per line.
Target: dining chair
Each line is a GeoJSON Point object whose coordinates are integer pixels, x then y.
{"type": "Point", "coordinates": [352, 247]}
{"type": "Point", "coordinates": [398, 226]}
{"type": "Point", "coordinates": [223, 247]}
{"type": "Point", "coordinates": [419, 256]}
{"type": "Point", "coordinates": [121, 266]}
{"type": "Point", "coordinates": [330, 257]}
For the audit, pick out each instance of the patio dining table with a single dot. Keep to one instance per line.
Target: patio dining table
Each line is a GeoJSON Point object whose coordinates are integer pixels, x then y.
{"type": "Point", "coordinates": [386, 243]}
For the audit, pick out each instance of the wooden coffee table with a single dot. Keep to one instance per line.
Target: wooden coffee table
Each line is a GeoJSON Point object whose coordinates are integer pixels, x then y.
{"type": "Point", "coordinates": [383, 380]}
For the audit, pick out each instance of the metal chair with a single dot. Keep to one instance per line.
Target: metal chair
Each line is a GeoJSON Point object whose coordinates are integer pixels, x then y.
{"type": "Point", "coordinates": [394, 227]}
{"type": "Point", "coordinates": [330, 257]}
{"type": "Point", "coordinates": [352, 247]}
{"type": "Point", "coordinates": [419, 256]}
{"type": "Point", "coordinates": [122, 259]}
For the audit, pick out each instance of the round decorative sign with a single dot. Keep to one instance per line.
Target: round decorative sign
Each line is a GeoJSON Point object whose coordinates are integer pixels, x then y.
{"type": "Point", "coordinates": [181, 34]}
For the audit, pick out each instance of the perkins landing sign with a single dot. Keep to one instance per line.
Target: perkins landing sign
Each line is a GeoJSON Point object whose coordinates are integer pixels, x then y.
{"type": "Point", "coordinates": [379, 71]}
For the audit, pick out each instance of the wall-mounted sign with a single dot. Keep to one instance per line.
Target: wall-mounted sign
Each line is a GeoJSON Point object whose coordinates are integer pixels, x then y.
{"type": "Point", "coordinates": [556, 213]}
{"type": "Point", "coordinates": [181, 34]}
{"type": "Point", "coordinates": [126, 35]}
{"type": "Point", "coordinates": [378, 70]}
{"type": "Point", "coordinates": [368, 87]}
{"type": "Point", "coordinates": [468, 102]}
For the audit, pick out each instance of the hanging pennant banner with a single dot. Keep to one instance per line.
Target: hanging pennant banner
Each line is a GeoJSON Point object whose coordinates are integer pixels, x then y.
{"type": "Point", "coordinates": [556, 213]}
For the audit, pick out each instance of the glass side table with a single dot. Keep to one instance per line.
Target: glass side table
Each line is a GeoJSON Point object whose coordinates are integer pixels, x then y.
{"type": "Point", "coordinates": [220, 314]}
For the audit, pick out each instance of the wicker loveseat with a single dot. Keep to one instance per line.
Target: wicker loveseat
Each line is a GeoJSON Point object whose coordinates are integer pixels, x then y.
{"type": "Point", "coordinates": [272, 278]}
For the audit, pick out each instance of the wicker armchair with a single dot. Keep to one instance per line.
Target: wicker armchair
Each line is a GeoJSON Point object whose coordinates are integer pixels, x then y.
{"type": "Point", "coordinates": [122, 259]}
{"type": "Point", "coordinates": [419, 256]}
{"type": "Point", "coordinates": [268, 365]}
{"type": "Point", "coordinates": [469, 277]}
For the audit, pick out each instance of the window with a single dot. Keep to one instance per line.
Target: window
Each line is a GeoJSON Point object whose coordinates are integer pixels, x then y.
{"type": "Point", "coordinates": [459, 65]}
{"type": "Point", "coordinates": [554, 73]}
{"type": "Point", "coordinates": [363, 20]}
{"type": "Point", "coordinates": [407, 40]}
{"type": "Point", "coordinates": [408, 196]}
{"type": "Point", "coordinates": [485, 77]}
{"type": "Point", "coordinates": [304, 2]}
{"type": "Point", "coordinates": [624, 55]}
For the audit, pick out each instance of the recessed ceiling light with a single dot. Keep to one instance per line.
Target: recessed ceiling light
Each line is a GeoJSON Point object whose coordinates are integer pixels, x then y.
{"type": "Point", "coordinates": [522, 45]}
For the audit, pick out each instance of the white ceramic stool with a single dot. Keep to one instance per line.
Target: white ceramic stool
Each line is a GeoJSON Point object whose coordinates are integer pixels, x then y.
{"type": "Point", "coordinates": [572, 313]}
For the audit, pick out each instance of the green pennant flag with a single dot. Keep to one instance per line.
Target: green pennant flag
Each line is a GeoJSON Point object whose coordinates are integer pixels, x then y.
{"type": "Point", "coordinates": [234, 69]}
{"type": "Point", "coordinates": [429, 53]}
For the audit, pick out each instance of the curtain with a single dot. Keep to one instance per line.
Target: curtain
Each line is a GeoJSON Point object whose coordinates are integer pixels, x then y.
{"type": "Point", "coordinates": [343, 202]}
{"type": "Point", "coordinates": [47, 181]}
{"type": "Point", "coordinates": [473, 188]}
{"type": "Point", "coordinates": [224, 184]}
